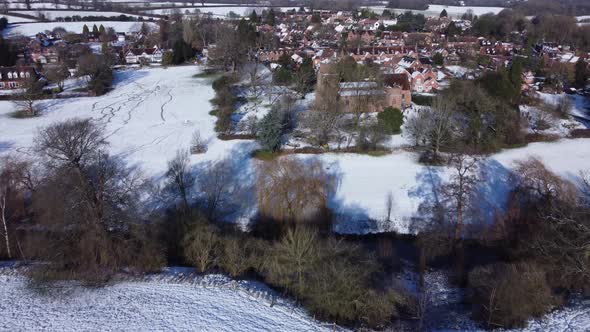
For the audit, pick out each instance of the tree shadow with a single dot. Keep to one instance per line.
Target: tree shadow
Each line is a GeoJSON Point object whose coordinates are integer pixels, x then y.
{"type": "Point", "coordinates": [348, 218]}
{"type": "Point", "coordinates": [428, 183]}
{"type": "Point", "coordinates": [6, 146]}
{"type": "Point", "coordinates": [492, 192]}
{"type": "Point", "coordinates": [124, 77]}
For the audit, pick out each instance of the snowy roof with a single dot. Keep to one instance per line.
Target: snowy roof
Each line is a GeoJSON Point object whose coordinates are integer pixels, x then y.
{"type": "Point", "coordinates": [358, 85]}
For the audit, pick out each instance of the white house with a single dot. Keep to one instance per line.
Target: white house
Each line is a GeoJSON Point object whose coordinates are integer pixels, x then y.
{"type": "Point", "coordinates": [151, 55]}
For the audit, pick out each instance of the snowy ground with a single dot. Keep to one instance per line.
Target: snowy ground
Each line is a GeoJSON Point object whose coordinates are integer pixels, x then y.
{"type": "Point", "coordinates": [218, 11]}
{"type": "Point", "coordinates": [177, 300]}
{"type": "Point", "coordinates": [213, 303]}
{"type": "Point", "coordinates": [31, 29]}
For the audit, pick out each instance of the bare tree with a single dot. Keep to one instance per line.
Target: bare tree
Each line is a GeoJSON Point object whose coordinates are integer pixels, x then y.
{"type": "Point", "coordinates": [533, 179]}
{"type": "Point", "coordinates": [26, 101]}
{"type": "Point", "coordinates": [433, 128]}
{"type": "Point", "coordinates": [72, 142]}
{"type": "Point", "coordinates": [459, 190]}
{"type": "Point", "coordinates": [12, 196]}
{"type": "Point", "coordinates": [325, 118]}
{"type": "Point", "coordinates": [293, 191]}
{"type": "Point", "coordinates": [181, 178]}
{"type": "Point", "coordinates": [217, 185]}
{"type": "Point", "coordinates": [228, 52]}
{"type": "Point", "coordinates": [89, 202]}
{"type": "Point", "coordinates": [58, 75]}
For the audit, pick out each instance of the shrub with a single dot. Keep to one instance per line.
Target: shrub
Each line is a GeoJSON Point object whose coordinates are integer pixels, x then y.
{"type": "Point", "coordinates": [507, 295]}
{"type": "Point", "coordinates": [371, 138]}
{"type": "Point", "coordinates": [331, 277]}
{"type": "Point", "coordinates": [391, 119]}
{"type": "Point", "coordinates": [201, 246]}
{"type": "Point", "coordinates": [238, 255]}
{"type": "Point", "coordinates": [198, 143]}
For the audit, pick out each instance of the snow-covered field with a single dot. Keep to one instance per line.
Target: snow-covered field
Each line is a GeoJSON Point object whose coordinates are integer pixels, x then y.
{"type": "Point", "coordinates": [53, 14]}
{"type": "Point", "coordinates": [176, 300]}
{"type": "Point", "coordinates": [435, 10]}
{"type": "Point", "coordinates": [150, 114]}
{"type": "Point", "coordinates": [12, 19]}
{"type": "Point", "coordinates": [217, 11]}
{"type": "Point", "coordinates": [153, 112]}
{"type": "Point", "coordinates": [213, 303]}
{"type": "Point", "coordinates": [31, 29]}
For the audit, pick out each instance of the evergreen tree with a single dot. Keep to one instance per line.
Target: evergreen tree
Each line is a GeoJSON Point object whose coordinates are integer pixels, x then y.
{"type": "Point", "coordinates": [270, 131]}
{"type": "Point", "coordinates": [438, 59]}
{"type": "Point", "coordinates": [101, 30]}
{"type": "Point", "coordinates": [8, 54]}
{"type": "Point", "coordinates": [181, 52]}
{"type": "Point", "coordinates": [94, 30]}
{"type": "Point", "coordinates": [444, 13]}
{"type": "Point", "coordinates": [515, 73]}
{"type": "Point", "coordinates": [85, 30]}
{"type": "Point", "coordinates": [271, 17]}
{"type": "Point", "coordinates": [391, 120]}
{"type": "Point", "coordinates": [3, 23]}
{"type": "Point", "coordinates": [253, 17]}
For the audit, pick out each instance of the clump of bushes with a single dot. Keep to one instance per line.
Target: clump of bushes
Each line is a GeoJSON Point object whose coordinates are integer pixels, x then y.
{"type": "Point", "coordinates": [507, 295]}
{"type": "Point", "coordinates": [331, 278]}
{"type": "Point", "coordinates": [423, 100]}
{"type": "Point", "coordinates": [224, 102]}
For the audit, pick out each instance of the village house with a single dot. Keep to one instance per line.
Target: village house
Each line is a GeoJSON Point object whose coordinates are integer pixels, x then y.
{"type": "Point", "coordinates": [150, 55]}
{"type": "Point", "coordinates": [14, 77]}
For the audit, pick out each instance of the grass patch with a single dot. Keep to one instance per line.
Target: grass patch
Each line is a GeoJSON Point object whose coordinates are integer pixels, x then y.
{"type": "Point", "coordinates": [229, 137]}
{"type": "Point", "coordinates": [23, 115]}
{"type": "Point", "coordinates": [516, 146]}
{"type": "Point", "coordinates": [206, 74]}
{"type": "Point", "coordinates": [265, 155]}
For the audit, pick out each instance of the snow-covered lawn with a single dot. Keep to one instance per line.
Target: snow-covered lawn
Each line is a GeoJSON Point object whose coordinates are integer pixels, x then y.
{"type": "Point", "coordinates": [366, 181]}
{"type": "Point", "coordinates": [176, 300]}
{"type": "Point", "coordinates": [214, 303]}
{"type": "Point", "coordinates": [148, 116]}
{"type": "Point", "coordinates": [31, 29]}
